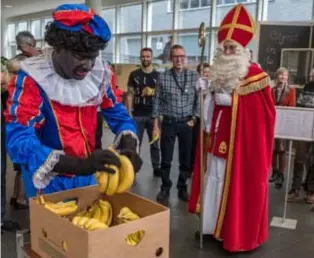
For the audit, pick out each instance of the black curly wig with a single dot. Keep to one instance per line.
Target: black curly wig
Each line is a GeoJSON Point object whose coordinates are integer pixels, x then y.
{"type": "Point", "coordinates": [77, 42]}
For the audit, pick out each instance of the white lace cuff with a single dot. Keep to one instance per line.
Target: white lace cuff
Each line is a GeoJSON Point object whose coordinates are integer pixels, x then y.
{"type": "Point", "coordinates": [44, 174]}
{"type": "Point", "coordinates": [117, 140]}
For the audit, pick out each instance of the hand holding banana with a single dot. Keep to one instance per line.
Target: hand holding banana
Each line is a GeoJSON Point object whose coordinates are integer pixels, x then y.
{"type": "Point", "coordinates": [118, 182]}
{"type": "Point", "coordinates": [155, 137]}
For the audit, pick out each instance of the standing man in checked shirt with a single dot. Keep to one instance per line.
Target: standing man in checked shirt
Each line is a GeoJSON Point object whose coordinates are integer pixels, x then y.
{"type": "Point", "coordinates": [176, 100]}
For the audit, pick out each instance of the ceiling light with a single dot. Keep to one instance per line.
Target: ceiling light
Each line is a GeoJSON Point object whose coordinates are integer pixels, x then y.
{"type": "Point", "coordinates": [8, 6]}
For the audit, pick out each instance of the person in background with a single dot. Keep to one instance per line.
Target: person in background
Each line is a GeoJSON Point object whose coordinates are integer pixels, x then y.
{"type": "Point", "coordinates": [26, 43]}
{"type": "Point", "coordinates": [283, 95]}
{"type": "Point", "coordinates": [6, 224]}
{"type": "Point", "coordinates": [141, 88]}
{"type": "Point", "coordinates": [304, 152]}
{"type": "Point", "coordinates": [118, 92]}
{"type": "Point", "coordinates": [176, 101]}
{"type": "Point", "coordinates": [238, 153]}
{"type": "Point", "coordinates": [51, 117]}
{"type": "Point", "coordinates": [100, 120]}
{"type": "Point", "coordinates": [166, 54]}
{"type": "Point", "coordinates": [206, 70]}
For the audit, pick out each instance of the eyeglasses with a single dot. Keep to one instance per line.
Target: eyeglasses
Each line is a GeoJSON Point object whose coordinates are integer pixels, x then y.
{"type": "Point", "coordinates": [179, 57]}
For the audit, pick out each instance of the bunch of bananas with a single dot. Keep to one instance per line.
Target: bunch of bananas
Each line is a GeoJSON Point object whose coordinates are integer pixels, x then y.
{"type": "Point", "coordinates": [135, 238]}
{"type": "Point", "coordinates": [148, 91]}
{"type": "Point", "coordinates": [118, 182]}
{"type": "Point", "coordinates": [98, 216]}
{"type": "Point", "coordinates": [126, 215]}
{"type": "Point", "coordinates": [64, 208]}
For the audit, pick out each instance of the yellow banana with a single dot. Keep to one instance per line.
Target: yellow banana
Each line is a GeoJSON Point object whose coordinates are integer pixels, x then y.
{"type": "Point", "coordinates": [104, 214]}
{"type": "Point", "coordinates": [81, 213]}
{"type": "Point", "coordinates": [126, 215]}
{"type": "Point", "coordinates": [82, 222]}
{"type": "Point", "coordinates": [76, 219]}
{"type": "Point", "coordinates": [62, 211]}
{"type": "Point", "coordinates": [107, 212]}
{"type": "Point", "coordinates": [113, 182]}
{"type": "Point", "coordinates": [97, 214]}
{"type": "Point", "coordinates": [140, 234]}
{"type": "Point", "coordinates": [135, 238]}
{"type": "Point", "coordinates": [102, 180]}
{"type": "Point", "coordinates": [155, 138]}
{"type": "Point", "coordinates": [126, 178]}
{"type": "Point", "coordinates": [89, 223]}
{"type": "Point", "coordinates": [41, 200]}
{"type": "Point", "coordinates": [130, 241]}
{"type": "Point", "coordinates": [59, 205]}
{"type": "Point", "coordinates": [97, 225]}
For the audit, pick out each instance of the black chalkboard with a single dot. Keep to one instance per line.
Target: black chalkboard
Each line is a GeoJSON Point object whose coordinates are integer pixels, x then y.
{"type": "Point", "coordinates": [275, 37]}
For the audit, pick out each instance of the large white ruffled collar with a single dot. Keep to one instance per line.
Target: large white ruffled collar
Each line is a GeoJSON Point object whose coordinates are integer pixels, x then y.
{"type": "Point", "coordinates": [88, 91]}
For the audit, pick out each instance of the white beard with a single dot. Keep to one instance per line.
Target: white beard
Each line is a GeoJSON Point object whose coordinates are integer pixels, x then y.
{"type": "Point", "coordinates": [227, 70]}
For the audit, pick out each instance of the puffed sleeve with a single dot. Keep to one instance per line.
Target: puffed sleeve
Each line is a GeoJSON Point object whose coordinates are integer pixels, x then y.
{"type": "Point", "coordinates": [23, 118]}
{"type": "Point", "coordinates": [117, 116]}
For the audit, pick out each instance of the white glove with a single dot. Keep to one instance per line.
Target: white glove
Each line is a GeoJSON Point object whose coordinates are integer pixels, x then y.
{"type": "Point", "coordinates": [208, 111]}
{"type": "Point", "coordinates": [223, 99]}
{"type": "Point", "coordinates": [202, 83]}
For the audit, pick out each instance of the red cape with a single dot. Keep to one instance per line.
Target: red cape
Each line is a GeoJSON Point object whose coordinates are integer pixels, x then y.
{"type": "Point", "coordinates": [243, 215]}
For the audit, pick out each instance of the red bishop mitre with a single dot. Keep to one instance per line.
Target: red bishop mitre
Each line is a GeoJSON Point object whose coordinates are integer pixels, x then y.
{"type": "Point", "coordinates": [238, 25]}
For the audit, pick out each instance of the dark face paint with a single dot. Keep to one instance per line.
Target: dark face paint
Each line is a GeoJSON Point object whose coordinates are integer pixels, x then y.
{"type": "Point", "coordinates": [70, 65]}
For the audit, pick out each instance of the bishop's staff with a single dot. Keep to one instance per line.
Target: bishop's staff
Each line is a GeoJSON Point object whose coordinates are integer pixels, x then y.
{"type": "Point", "coordinates": [201, 43]}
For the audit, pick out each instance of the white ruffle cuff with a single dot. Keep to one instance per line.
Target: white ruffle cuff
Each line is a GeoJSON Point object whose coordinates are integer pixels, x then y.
{"type": "Point", "coordinates": [117, 139]}
{"type": "Point", "coordinates": [44, 175]}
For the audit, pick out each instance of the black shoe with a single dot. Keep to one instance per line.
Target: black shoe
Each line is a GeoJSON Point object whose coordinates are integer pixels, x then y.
{"type": "Point", "coordinates": [274, 176]}
{"type": "Point", "coordinates": [183, 195]}
{"type": "Point", "coordinates": [163, 195]}
{"type": "Point", "coordinates": [9, 225]}
{"type": "Point", "coordinates": [279, 181]}
{"type": "Point", "coordinates": [157, 172]}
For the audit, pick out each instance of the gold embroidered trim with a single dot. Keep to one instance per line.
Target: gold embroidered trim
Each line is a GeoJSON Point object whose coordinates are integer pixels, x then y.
{"type": "Point", "coordinates": [253, 87]}
{"type": "Point", "coordinates": [228, 169]}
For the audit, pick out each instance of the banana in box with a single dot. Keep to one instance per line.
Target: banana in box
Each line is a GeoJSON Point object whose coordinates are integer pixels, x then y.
{"type": "Point", "coordinates": [86, 223]}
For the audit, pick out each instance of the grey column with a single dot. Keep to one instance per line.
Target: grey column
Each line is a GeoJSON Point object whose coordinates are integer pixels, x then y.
{"type": "Point", "coordinates": [95, 4]}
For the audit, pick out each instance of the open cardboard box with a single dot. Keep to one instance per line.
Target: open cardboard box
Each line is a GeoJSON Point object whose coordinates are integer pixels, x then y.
{"type": "Point", "coordinates": [55, 236]}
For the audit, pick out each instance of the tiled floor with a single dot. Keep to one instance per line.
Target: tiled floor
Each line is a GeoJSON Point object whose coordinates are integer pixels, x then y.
{"type": "Point", "coordinates": [282, 243]}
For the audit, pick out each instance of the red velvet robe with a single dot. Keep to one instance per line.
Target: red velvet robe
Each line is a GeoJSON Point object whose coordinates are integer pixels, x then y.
{"type": "Point", "coordinates": [242, 222]}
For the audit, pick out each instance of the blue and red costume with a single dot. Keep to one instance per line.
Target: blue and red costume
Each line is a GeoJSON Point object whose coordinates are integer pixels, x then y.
{"type": "Point", "coordinates": [48, 116]}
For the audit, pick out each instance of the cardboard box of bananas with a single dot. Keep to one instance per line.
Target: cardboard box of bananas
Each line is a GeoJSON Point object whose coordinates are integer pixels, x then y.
{"type": "Point", "coordinates": [84, 223]}
{"type": "Point", "coordinates": [105, 219]}
{"type": "Point", "coordinates": [100, 214]}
